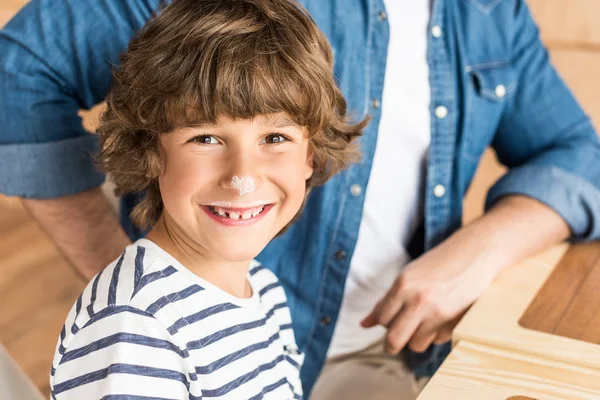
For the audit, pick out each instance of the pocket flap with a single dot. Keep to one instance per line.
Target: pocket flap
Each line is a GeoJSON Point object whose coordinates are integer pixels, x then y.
{"type": "Point", "coordinates": [493, 81]}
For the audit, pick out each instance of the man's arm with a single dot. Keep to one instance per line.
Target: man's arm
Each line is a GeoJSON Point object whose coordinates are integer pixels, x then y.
{"type": "Point", "coordinates": [56, 58]}
{"type": "Point", "coordinates": [550, 193]}
{"type": "Point", "coordinates": [433, 292]}
{"type": "Point", "coordinates": [83, 227]}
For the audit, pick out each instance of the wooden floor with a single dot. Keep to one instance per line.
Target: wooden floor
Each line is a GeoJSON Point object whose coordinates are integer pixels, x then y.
{"type": "Point", "coordinates": [37, 287]}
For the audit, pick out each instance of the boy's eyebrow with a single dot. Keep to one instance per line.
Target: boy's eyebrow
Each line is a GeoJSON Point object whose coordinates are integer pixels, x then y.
{"type": "Point", "coordinates": [280, 121]}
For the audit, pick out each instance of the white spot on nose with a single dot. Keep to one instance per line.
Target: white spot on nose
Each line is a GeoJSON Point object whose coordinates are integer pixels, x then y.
{"type": "Point", "coordinates": [244, 185]}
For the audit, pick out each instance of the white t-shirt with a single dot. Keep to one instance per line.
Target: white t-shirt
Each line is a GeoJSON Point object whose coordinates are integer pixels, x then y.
{"type": "Point", "coordinates": [392, 209]}
{"type": "Point", "coordinates": [146, 326]}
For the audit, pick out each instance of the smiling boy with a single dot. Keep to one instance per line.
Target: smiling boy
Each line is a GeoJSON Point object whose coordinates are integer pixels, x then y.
{"type": "Point", "coordinates": [224, 113]}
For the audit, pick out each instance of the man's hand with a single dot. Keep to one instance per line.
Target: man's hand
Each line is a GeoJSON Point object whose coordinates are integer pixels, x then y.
{"type": "Point", "coordinates": [83, 227]}
{"type": "Point", "coordinates": [434, 291]}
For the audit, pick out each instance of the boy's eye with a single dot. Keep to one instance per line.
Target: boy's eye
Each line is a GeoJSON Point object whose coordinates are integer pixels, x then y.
{"type": "Point", "coordinates": [275, 138]}
{"type": "Point", "coordinates": [204, 139]}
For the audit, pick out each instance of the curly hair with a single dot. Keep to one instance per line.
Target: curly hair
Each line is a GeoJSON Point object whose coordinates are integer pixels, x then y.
{"type": "Point", "coordinates": [199, 59]}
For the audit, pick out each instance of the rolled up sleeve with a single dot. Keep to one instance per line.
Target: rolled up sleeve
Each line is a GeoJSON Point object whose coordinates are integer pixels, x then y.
{"type": "Point", "coordinates": [55, 59]}
{"type": "Point", "coordinates": [546, 139]}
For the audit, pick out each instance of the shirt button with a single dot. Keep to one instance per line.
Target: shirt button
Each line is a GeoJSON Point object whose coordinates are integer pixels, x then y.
{"type": "Point", "coordinates": [340, 255]}
{"type": "Point", "coordinates": [436, 31]}
{"type": "Point", "coordinates": [356, 190]}
{"type": "Point", "coordinates": [439, 190]}
{"type": "Point", "coordinates": [500, 91]}
{"type": "Point", "coordinates": [325, 320]}
{"type": "Point", "coordinates": [382, 16]}
{"type": "Point", "coordinates": [441, 112]}
{"type": "Point", "coordinates": [375, 103]}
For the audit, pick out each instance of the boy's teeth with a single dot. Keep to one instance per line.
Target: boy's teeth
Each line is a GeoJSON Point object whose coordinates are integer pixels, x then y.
{"type": "Point", "coordinates": [236, 215]}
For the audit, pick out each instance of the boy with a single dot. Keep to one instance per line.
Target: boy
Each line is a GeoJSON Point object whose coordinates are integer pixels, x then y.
{"type": "Point", "coordinates": [224, 113]}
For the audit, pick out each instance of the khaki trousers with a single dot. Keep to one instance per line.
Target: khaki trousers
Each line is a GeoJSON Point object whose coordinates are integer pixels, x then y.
{"type": "Point", "coordinates": [369, 374]}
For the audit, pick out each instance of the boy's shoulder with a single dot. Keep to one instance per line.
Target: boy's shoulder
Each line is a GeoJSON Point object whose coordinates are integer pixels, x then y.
{"type": "Point", "coordinates": [267, 284]}
{"type": "Point", "coordinates": [121, 285]}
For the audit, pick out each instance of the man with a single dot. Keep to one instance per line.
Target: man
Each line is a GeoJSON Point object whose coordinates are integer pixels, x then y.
{"type": "Point", "coordinates": [383, 264]}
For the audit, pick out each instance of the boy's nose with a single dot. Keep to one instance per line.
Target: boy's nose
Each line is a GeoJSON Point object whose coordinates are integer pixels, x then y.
{"type": "Point", "coordinates": [243, 177]}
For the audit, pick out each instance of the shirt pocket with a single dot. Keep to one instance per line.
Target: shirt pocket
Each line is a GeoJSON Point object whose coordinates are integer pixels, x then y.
{"type": "Point", "coordinates": [490, 87]}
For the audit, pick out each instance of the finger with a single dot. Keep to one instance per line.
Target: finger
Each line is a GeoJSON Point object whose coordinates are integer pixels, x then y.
{"type": "Point", "coordinates": [444, 335]}
{"type": "Point", "coordinates": [391, 304]}
{"type": "Point", "coordinates": [424, 336]}
{"type": "Point", "coordinates": [371, 319]}
{"type": "Point", "coordinates": [445, 332]}
{"type": "Point", "coordinates": [403, 327]}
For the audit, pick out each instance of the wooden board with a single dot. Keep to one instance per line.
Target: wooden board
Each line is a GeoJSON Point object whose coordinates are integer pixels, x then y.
{"type": "Point", "coordinates": [569, 302]}
{"type": "Point", "coordinates": [475, 372]}
{"type": "Point", "coordinates": [493, 319]}
{"type": "Point", "coordinates": [568, 23]}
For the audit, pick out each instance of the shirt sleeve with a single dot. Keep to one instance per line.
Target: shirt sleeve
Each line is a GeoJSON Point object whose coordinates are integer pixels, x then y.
{"type": "Point", "coordinates": [56, 58]}
{"type": "Point", "coordinates": [546, 139]}
{"type": "Point", "coordinates": [121, 353]}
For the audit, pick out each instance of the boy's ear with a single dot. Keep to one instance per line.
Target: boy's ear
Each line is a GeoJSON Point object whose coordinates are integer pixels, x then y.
{"type": "Point", "coordinates": [309, 164]}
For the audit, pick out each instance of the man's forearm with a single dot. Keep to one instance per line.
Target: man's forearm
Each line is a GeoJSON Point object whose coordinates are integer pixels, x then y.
{"type": "Point", "coordinates": [515, 228]}
{"type": "Point", "coordinates": [83, 227]}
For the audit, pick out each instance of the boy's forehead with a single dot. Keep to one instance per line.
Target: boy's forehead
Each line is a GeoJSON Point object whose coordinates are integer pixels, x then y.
{"type": "Point", "coordinates": [278, 120]}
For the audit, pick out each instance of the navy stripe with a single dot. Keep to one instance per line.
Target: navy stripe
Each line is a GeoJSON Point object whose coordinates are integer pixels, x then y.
{"type": "Point", "coordinates": [145, 280]}
{"type": "Point", "coordinates": [61, 349]}
{"type": "Point", "coordinates": [255, 270]}
{"type": "Point", "coordinates": [52, 370]}
{"type": "Point", "coordinates": [275, 308]}
{"type": "Point", "coordinates": [139, 265]}
{"type": "Point", "coordinates": [114, 282]}
{"type": "Point", "coordinates": [215, 337]}
{"type": "Point", "coordinates": [122, 337]}
{"type": "Point", "coordinates": [113, 310]}
{"type": "Point", "coordinates": [223, 390]}
{"type": "Point", "coordinates": [74, 327]}
{"type": "Point", "coordinates": [267, 288]}
{"type": "Point", "coordinates": [121, 369]}
{"type": "Point", "coordinates": [228, 359]}
{"type": "Point", "coordinates": [285, 326]}
{"type": "Point", "coordinates": [90, 307]}
{"type": "Point", "coordinates": [173, 297]}
{"type": "Point", "coordinates": [78, 305]}
{"type": "Point", "coordinates": [132, 397]}
{"type": "Point", "coordinates": [292, 361]}
{"type": "Point", "coordinates": [199, 316]}
{"type": "Point", "coordinates": [270, 388]}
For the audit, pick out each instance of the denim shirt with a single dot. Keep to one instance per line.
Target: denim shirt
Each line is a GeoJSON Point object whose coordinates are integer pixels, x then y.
{"type": "Point", "coordinates": [491, 84]}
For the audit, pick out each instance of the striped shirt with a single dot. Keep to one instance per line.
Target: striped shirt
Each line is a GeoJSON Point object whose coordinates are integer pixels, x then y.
{"type": "Point", "coordinates": [148, 328]}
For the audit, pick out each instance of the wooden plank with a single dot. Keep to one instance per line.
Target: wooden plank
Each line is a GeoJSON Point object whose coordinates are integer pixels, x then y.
{"type": "Point", "coordinates": [560, 304]}
{"type": "Point", "coordinates": [474, 372]}
{"type": "Point", "coordinates": [582, 319]}
{"type": "Point", "coordinates": [573, 23]}
{"type": "Point", "coordinates": [37, 289]}
{"type": "Point", "coordinates": [579, 69]}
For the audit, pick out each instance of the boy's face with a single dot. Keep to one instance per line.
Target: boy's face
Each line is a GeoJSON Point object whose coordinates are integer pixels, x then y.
{"type": "Point", "coordinates": [232, 186]}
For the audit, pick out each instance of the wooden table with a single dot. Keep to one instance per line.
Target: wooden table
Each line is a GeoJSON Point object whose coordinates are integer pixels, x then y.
{"type": "Point", "coordinates": [477, 372]}
{"type": "Point", "coordinates": [534, 333]}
